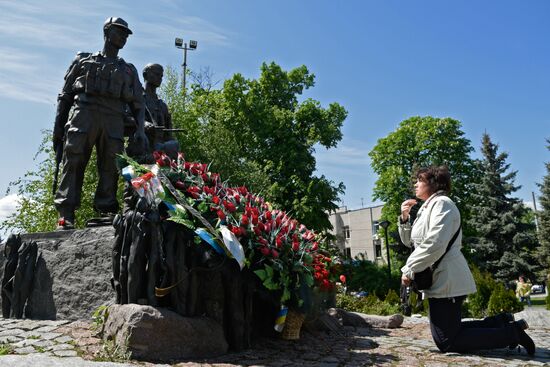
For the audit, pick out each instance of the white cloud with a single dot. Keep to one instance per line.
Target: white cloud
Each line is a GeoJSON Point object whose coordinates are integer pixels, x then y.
{"type": "Point", "coordinates": [23, 76]}
{"type": "Point", "coordinates": [8, 205]}
{"type": "Point", "coordinates": [12, 60]}
{"type": "Point", "coordinates": [59, 24]}
{"type": "Point", "coordinates": [35, 34]}
{"type": "Point", "coordinates": [349, 153]}
{"type": "Point", "coordinates": [56, 7]}
{"type": "Point", "coordinates": [70, 25]}
{"type": "Point", "coordinates": [189, 27]}
{"type": "Point", "coordinates": [29, 31]}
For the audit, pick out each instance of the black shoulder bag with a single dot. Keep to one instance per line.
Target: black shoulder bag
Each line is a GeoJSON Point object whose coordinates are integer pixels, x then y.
{"type": "Point", "coordinates": [424, 279]}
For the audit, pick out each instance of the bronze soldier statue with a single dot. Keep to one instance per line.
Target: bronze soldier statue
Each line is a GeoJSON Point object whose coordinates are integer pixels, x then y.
{"type": "Point", "coordinates": [158, 121]}
{"type": "Point", "coordinates": [98, 89]}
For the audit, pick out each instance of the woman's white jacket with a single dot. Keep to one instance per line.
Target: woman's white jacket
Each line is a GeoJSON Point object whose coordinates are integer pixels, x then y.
{"type": "Point", "coordinates": [437, 221]}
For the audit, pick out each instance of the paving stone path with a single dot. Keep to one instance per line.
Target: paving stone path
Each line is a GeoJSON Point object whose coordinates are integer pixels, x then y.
{"type": "Point", "coordinates": [63, 344]}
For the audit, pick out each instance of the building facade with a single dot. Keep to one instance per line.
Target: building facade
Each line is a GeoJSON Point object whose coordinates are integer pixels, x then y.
{"type": "Point", "coordinates": [356, 233]}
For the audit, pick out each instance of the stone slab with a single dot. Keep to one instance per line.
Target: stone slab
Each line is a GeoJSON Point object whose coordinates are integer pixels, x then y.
{"type": "Point", "coordinates": [73, 273]}
{"type": "Point", "coordinates": [39, 359]}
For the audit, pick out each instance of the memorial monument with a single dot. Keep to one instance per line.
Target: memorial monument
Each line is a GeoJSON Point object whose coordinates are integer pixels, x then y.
{"type": "Point", "coordinates": [188, 249]}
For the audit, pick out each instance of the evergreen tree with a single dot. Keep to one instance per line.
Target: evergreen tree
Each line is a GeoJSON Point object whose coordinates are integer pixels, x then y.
{"type": "Point", "coordinates": [504, 241]}
{"type": "Point", "coordinates": [544, 222]}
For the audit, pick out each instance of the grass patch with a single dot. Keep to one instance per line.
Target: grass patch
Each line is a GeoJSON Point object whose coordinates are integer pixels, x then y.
{"type": "Point", "coordinates": [33, 337]}
{"type": "Point", "coordinates": [79, 351]}
{"type": "Point", "coordinates": [39, 349]}
{"type": "Point", "coordinates": [5, 349]}
{"type": "Point", "coordinates": [538, 302]}
{"type": "Point", "coordinates": [111, 352]}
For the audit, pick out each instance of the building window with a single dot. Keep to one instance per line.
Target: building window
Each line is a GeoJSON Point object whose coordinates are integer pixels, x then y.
{"type": "Point", "coordinates": [375, 227]}
{"type": "Point", "coordinates": [348, 253]}
{"type": "Point", "coordinates": [346, 232]}
{"type": "Point", "coordinates": [377, 247]}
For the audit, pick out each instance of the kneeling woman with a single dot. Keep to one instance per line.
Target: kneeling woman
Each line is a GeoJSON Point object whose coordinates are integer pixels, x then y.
{"type": "Point", "coordinates": [437, 222]}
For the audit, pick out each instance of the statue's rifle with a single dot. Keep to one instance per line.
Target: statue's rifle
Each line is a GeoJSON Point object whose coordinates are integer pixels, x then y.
{"type": "Point", "coordinates": [160, 127]}
{"type": "Point", "coordinates": [58, 157]}
{"type": "Point", "coordinates": [163, 129]}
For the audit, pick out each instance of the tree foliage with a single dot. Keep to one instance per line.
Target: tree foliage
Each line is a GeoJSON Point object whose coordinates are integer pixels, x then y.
{"type": "Point", "coordinates": [257, 132]}
{"type": "Point", "coordinates": [207, 138]}
{"type": "Point", "coordinates": [544, 221]}
{"type": "Point", "coordinates": [504, 241]}
{"type": "Point", "coordinates": [418, 142]}
{"type": "Point", "coordinates": [364, 275]}
{"type": "Point", "coordinates": [35, 211]}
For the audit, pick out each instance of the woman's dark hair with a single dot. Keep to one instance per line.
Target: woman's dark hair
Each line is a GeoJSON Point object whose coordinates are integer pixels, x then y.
{"type": "Point", "coordinates": [437, 178]}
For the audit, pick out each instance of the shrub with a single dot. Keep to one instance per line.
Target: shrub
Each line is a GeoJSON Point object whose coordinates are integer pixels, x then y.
{"type": "Point", "coordinates": [548, 301]}
{"type": "Point", "coordinates": [371, 299]}
{"type": "Point", "coordinates": [477, 303]}
{"type": "Point", "coordinates": [503, 300]}
{"type": "Point", "coordinates": [364, 275]}
{"type": "Point", "coordinates": [349, 302]}
{"type": "Point", "coordinates": [383, 308]}
{"type": "Point", "coordinates": [392, 298]}
{"type": "Point", "coordinates": [371, 305]}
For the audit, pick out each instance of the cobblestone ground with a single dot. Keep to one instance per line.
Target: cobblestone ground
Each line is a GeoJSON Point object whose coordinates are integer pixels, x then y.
{"type": "Point", "coordinates": [64, 344]}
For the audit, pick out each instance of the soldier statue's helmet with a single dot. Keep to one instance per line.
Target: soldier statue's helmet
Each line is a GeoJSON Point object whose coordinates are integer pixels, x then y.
{"type": "Point", "coordinates": [116, 22]}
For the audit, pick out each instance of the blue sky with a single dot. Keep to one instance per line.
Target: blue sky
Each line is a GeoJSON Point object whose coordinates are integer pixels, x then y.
{"type": "Point", "coordinates": [485, 63]}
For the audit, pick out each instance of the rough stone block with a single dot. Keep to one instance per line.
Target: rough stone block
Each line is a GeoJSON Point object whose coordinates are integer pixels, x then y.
{"type": "Point", "coordinates": [73, 272]}
{"type": "Point", "coordinates": [358, 319]}
{"type": "Point", "coordinates": [161, 335]}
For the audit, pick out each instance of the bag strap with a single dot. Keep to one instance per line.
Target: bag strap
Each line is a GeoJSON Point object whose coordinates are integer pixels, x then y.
{"type": "Point", "coordinates": [434, 266]}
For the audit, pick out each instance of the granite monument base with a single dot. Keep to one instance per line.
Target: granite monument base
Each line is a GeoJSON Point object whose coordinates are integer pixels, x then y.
{"type": "Point", "coordinates": [72, 277]}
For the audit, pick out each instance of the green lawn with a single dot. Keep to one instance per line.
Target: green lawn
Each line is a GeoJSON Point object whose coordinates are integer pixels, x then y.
{"type": "Point", "coordinates": [538, 302]}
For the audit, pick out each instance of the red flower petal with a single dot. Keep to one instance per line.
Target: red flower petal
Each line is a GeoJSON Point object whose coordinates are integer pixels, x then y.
{"type": "Point", "coordinates": [265, 251]}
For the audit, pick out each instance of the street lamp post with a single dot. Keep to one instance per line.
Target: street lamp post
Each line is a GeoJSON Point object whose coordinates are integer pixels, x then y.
{"type": "Point", "coordinates": [384, 224]}
{"type": "Point", "coordinates": [183, 45]}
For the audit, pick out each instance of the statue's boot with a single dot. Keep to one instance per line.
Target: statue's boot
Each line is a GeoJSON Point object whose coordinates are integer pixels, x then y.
{"type": "Point", "coordinates": [104, 219]}
{"type": "Point", "coordinates": [66, 220]}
